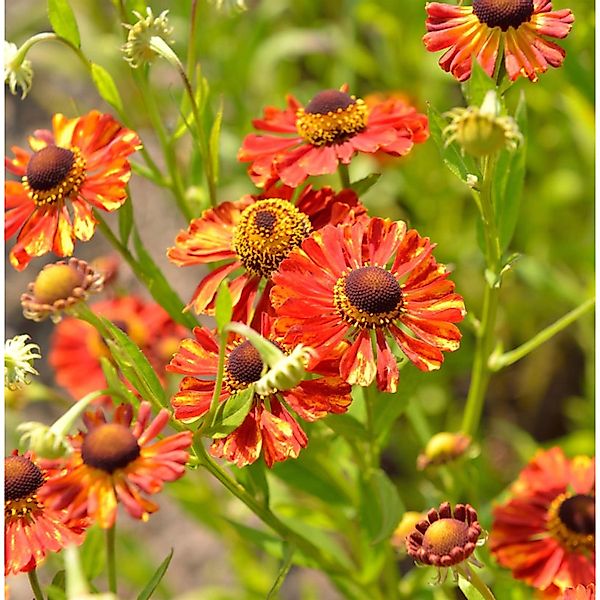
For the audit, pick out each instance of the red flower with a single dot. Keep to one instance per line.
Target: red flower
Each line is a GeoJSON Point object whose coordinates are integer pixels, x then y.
{"type": "Point", "coordinates": [82, 162]}
{"type": "Point", "coordinates": [581, 592]}
{"type": "Point", "coordinates": [545, 532]}
{"type": "Point", "coordinates": [329, 130]}
{"type": "Point", "coordinates": [252, 236]}
{"type": "Point", "coordinates": [365, 282]}
{"type": "Point", "coordinates": [268, 427]}
{"type": "Point", "coordinates": [481, 28]}
{"type": "Point", "coordinates": [76, 346]}
{"type": "Point", "coordinates": [32, 528]}
{"type": "Point", "coordinates": [113, 462]}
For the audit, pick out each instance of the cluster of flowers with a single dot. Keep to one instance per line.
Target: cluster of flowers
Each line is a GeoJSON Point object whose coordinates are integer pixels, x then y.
{"type": "Point", "coordinates": [305, 267]}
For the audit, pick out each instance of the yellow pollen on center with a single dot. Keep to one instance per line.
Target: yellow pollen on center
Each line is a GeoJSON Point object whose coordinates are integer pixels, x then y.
{"type": "Point", "coordinates": [331, 117]}
{"type": "Point", "coordinates": [56, 282]}
{"type": "Point", "coordinates": [54, 174]}
{"type": "Point", "coordinates": [267, 232]}
{"type": "Point", "coordinates": [444, 535]}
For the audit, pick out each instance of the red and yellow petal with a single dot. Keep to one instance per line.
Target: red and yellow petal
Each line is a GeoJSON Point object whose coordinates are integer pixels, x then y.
{"type": "Point", "coordinates": [282, 437]}
{"type": "Point", "coordinates": [243, 446]}
{"type": "Point", "coordinates": [315, 399]}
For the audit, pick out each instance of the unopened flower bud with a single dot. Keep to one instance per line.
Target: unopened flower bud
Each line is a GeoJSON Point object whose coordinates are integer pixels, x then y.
{"type": "Point", "coordinates": [442, 448]}
{"type": "Point", "coordinates": [18, 361]}
{"type": "Point", "coordinates": [481, 131]}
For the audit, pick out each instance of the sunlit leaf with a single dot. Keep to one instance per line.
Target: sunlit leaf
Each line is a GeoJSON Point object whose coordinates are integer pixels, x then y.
{"type": "Point", "coordinates": [63, 21]}
{"type": "Point", "coordinates": [106, 86]}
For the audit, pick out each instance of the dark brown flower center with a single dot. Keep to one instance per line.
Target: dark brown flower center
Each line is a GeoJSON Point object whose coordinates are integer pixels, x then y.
{"type": "Point", "coordinates": [372, 290]}
{"type": "Point", "coordinates": [329, 101]}
{"type": "Point", "coordinates": [265, 220]}
{"type": "Point", "coordinates": [444, 535]}
{"type": "Point", "coordinates": [49, 167]}
{"type": "Point", "coordinates": [109, 447]}
{"type": "Point", "coordinates": [22, 478]}
{"type": "Point", "coordinates": [578, 513]}
{"type": "Point", "coordinates": [503, 13]}
{"type": "Point", "coordinates": [244, 364]}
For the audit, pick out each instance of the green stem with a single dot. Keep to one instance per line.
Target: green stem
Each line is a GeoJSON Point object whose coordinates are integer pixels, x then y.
{"type": "Point", "coordinates": [372, 450]}
{"type": "Point", "coordinates": [473, 578]}
{"type": "Point", "coordinates": [34, 582]}
{"type": "Point", "coordinates": [480, 373]}
{"type": "Point", "coordinates": [344, 172]}
{"type": "Point", "coordinates": [111, 569]}
{"type": "Point", "coordinates": [191, 49]}
{"type": "Point", "coordinates": [265, 514]}
{"type": "Point", "coordinates": [214, 402]}
{"type": "Point", "coordinates": [508, 358]}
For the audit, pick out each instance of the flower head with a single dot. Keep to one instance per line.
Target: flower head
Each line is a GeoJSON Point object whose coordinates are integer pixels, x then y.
{"type": "Point", "coordinates": [268, 427]}
{"type": "Point", "coordinates": [77, 347]}
{"type": "Point", "coordinates": [446, 538]}
{"type": "Point", "coordinates": [115, 461]}
{"type": "Point", "coordinates": [139, 49]}
{"type": "Point", "coordinates": [18, 71]}
{"type": "Point", "coordinates": [80, 165]}
{"type": "Point", "coordinates": [545, 533]}
{"type": "Point", "coordinates": [58, 287]}
{"type": "Point", "coordinates": [366, 282]}
{"type": "Point", "coordinates": [443, 448]}
{"type": "Point", "coordinates": [18, 361]}
{"type": "Point", "coordinates": [581, 592]}
{"type": "Point", "coordinates": [252, 236]}
{"type": "Point", "coordinates": [329, 130]}
{"type": "Point", "coordinates": [480, 30]}
{"type": "Point", "coordinates": [32, 528]}
{"type": "Point", "coordinates": [481, 131]}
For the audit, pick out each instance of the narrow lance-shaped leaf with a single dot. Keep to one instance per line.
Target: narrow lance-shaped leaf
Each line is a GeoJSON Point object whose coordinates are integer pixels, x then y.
{"type": "Point", "coordinates": [63, 21]}
{"type": "Point", "coordinates": [106, 86]}
{"type": "Point", "coordinates": [149, 588]}
{"type": "Point", "coordinates": [213, 143]}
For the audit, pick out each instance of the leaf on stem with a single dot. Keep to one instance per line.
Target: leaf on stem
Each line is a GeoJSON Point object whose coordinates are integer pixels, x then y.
{"type": "Point", "coordinates": [213, 143]}
{"type": "Point", "coordinates": [231, 414]}
{"type": "Point", "coordinates": [106, 86]}
{"type": "Point", "coordinates": [362, 186]}
{"type": "Point", "coordinates": [125, 221]}
{"type": "Point", "coordinates": [223, 306]}
{"type": "Point", "coordinates": [478, 85]}
{"type": "Point", "coordinates": [63, 21]}
{"type": "Point", "coordinates": [149, 588]}
{"type": "Point", "coordinates": [382, 507]}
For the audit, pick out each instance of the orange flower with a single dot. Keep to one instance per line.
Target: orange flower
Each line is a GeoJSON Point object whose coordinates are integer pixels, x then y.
{"type": "Point", "coordinates": [363, 282]}
{"type": "Point", "coordinates": [481, 28]}
{"type": "Point", "coordinates": [581, 592]}
{"type": "Point", "coordinates": [269, 427]}
{"type": "Point", "coordinates": [80, 165]}
{"type": "Point", "coordinates": [32, 528]}
{"type": "Point", "coordinates": [76, 347]}
{"type": "Point", "coordinates": [252, 236]}
{"type": "Point", "coordinates": [545, 532]}
{"type": "Point", "coordinates": [329, 130]}
{"type": "Point", "coordinates": [114, 461]}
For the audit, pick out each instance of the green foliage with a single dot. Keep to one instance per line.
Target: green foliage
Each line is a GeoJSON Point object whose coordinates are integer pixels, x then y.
{"type": "Point", "coordinates": [63, 21]}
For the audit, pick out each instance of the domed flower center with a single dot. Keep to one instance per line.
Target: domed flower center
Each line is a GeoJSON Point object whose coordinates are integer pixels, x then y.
{"type": "Point", "coordinates": [109, 447]}
{"type": "Point", "coordinates": [444, 535]}
{"type": "Point", "coordinates": [53, 174]}
{"type": "Point", "coordinates": [503, 13]}
{"type": "Point", "coordinates": [572, 521]}
{"type": "Point", "coordinates": [267, 232]}
{"type": "Point", "coordinates": [331, 117]}
{"type": "Point", "coordinates": [244, 366]}
{"type": "Point", "coordinates": [368, 297]}
{"type": "Point", "coordinates": [56, 282]}
{"type": "Point", "coordinates": [22, 478]}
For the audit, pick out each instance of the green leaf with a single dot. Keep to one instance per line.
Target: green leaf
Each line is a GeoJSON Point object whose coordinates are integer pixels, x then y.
{"type": "Point", "coordinates": [63, 21]}
{"type": "Point", "coordinates": [478, 85]}
{"type": "Point", "coordinates": [125, 221]}
{"type": "Point", "coordinates": [231, 413]}
{"type": "Point", "coordinates": [133, 364]}
{"type": "Point", "coordinates": [388, 407]}
{"type": "Point", "coordinates": [254, 478]}
{"type": "Point", "coordinates": [159, 287]}
{"type": "Point", "coordinates": [458, 164]}
{"type": "Point", "coordinates": [115, 383]}
{"type": "Point", "coordinates": [213, 143]}
{"type": "Point", "coordinates": [92, 553]}
{"type": "Point", "coordinates": [223, 306]}
{"type": "Point", "coordinates": [347, 426]}
{"type": "Point", "coordinates": [56, 589]}
{"type": "Point", "coordinates": [288, 555]}
{"type": "Point", "coordinates": [381, 508]}
{"type": "Point", "coordinates": [148, 590]}
{"type": "Point", "coordinates": [106, 86]}
{"type": "Point", "coordinates": [362, 186]}
{"type": "Point", "coordinates": [470, 592]}
{"type": "Point", "coordinates": [509, 179]}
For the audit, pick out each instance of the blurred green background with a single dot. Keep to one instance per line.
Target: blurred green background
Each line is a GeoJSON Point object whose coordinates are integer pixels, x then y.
{"type": "Point", "coordinates": [253, 59]}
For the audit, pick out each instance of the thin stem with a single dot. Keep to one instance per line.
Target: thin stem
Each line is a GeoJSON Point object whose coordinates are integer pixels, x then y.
{"type": "Point", "coordinates": [372, 451]}
{"type": "Point", "coordinates": [111, 569]}
{"type": "Point", "coordinates": [508, 358]}
{"type": "Point", "coordinates": [264, 513]}
{"type": "Point", "coordinates": [34, 582]}
{"type": "Point", "coordinates": [480, 373]}
{"type": "Point", "coordinates": [473, 578]}
{"type": "Point", "coordinates": [344, 172]}
{"type": "Point", "coordinates": [191, 49]}
{"type": "Point", "coordinates": [214, 402]}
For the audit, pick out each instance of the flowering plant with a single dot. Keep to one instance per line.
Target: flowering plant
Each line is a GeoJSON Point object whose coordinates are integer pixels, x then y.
{"type": "Point", "coordinates": [291, 305]}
